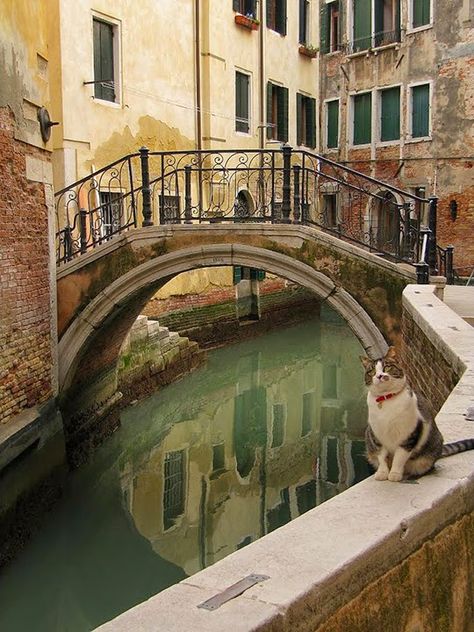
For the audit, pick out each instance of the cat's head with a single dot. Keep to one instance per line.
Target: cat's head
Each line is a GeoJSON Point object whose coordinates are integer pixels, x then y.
{"type": "Point", "coordinates": [384, 375]}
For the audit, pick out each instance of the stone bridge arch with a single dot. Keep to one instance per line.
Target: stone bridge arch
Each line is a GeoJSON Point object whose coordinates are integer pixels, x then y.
{"type": "Point", "coordinates": [101, 294]}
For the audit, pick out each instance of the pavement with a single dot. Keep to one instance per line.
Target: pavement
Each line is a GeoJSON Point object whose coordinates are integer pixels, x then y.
{"type": "Point", "coordinates": [461, 300]}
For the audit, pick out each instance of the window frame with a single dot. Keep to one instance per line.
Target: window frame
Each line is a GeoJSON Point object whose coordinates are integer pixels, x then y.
{"type": "Point", "coordinates": [419, 139]}
{"type": "Point", "coordinates": [280, 22]}
{"type": "Point", "coordinates": [422, 27]}
{"type": "Point", "coordinates": [326, 103]}
{"type": "Point", "coordinates": [304, 105]}
{"type": "Point", "coordinates": [116, 58]}
{"type": "Point", "coordinates": [351, 115]}
{"type": "Point", "coordinates": [272, 121]}
{"type": "Point", "coordinates": [379, 92]}
{"type": "Point", "coordinates": [240, 71]}
{"type": "Point", "coordinates": [373, 33]}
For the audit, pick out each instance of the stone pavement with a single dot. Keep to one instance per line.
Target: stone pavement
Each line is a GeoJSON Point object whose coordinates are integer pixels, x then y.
{"type": "Point", "coordinates": [461, 300]}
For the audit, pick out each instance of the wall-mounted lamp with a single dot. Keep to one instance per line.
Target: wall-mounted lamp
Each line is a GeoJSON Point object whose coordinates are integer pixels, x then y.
{"type": "Point", "coordinates": [453, 208]}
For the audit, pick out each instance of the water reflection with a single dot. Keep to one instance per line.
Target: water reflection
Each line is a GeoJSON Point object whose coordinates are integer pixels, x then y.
{"type": "Point", "coordinates": [267, 430]}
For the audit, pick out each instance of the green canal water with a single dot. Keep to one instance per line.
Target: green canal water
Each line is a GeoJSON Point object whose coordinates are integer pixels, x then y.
{"type": "Point", "coordinates": [268, 429]}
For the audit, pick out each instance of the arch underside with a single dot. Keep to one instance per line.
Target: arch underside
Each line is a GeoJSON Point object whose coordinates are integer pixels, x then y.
{"type": "Point", "coordinates": [143, 280]}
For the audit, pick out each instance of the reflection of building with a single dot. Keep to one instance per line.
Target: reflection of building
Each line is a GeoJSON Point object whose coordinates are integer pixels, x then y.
{"type": "Point", "coordinates": [244, 463]}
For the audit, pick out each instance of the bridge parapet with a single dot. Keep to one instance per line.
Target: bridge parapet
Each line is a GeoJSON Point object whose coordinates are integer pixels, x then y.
{"type": "Point", "coordinates": [277, 186]}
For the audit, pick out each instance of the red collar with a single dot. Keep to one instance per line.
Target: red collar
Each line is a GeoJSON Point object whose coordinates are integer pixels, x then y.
{"type": "Point", "coordinates": [382, 398]}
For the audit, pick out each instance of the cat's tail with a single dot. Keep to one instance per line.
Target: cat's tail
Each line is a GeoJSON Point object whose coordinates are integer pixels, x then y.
{"type": "Point", "coordinates": [457, 446]}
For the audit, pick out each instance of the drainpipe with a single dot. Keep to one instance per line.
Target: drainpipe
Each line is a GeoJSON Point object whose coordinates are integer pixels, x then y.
{"type": "Point", "coordinates": [262, 128]}
{"type": "Point", "coordinates": [197, 54]}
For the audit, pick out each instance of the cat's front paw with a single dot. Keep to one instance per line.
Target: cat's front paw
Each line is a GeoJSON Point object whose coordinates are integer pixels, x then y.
{"type": "Point", "coordinates": [381, 474]}
{"type": "Point", "coordinates": [395, 476]}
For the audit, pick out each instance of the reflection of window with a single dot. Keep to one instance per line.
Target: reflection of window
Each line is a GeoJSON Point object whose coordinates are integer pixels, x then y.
{"type": "Point", "coordinates": [242, 102]}
{"type": "Point", "coordinates": [308, 413]}
{"type": "Point", "coordinates": [281, 514]}
{"type": "Point", "coordinates": [173, 495]}
{"type": "Point", "coordinates": [390, 114]}
{"type": "Point", "coordinates": [218, 457]}
{"type": "Point", "coordinates": [276, 15]}
{"type": "Point", "coordinates": [330, 372]}
{"type": "Point", "coordinates": [332, 464]}
{"type": "Point", "coordinates": [277, 112]}
{"type": "Point", "coordinates": [278, 425]}
{"type": "Point", "coordinates": [245, 7]}
{"type": "Point", "coordinates": [104, 60]}
{"type": "Point", "coordinates": [110, 212]}
{"type": "Point", "coordinates": [305, 120]}
{"type": "Point", "coordinates": [306, 497]}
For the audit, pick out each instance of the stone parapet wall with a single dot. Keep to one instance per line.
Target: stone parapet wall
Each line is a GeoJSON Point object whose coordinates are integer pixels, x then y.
{"type": "Point", "coordinates": [26, 356]}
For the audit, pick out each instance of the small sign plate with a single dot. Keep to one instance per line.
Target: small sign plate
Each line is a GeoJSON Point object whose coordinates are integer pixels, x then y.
{"type": "Point", "coordinates": [233, 591]}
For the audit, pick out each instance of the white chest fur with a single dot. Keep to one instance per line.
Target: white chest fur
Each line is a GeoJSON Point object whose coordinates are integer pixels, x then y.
{"type": "Point", "coordinates": [394, 420]}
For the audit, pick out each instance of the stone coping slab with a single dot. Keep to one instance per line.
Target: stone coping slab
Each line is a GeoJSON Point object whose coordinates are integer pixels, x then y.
{"type": "Point", "coordinates": [324, 558]}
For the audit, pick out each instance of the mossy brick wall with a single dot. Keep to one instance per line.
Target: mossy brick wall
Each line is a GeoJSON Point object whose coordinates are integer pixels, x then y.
{"type": "Point", "coordinates": [428, 371]}
{"type": "Point", "coordinates": [25, 338]}
{"type": "Point", "coordinates": [431, 591]}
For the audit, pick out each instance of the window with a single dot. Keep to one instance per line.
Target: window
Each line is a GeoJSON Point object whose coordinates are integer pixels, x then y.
{"type": "Point", "coordinates": [420, 110]}
{"type": "Point", "coordinates": [307, 417]}
{"type": "Point", "coordinates": [332, 124]}
{"type": "Point", "coordinates": [218, 457]}
{"type": "Point", "coordinates": [278, 425]}
{"type": "Point", "coordinates": [374, 23]}
{"type": "Point", "coordinates": [330, 210]}
{"type": "Point", "coordinates": [304, 22]}
{"type": "Point", "coordinates": [110, 212]}
{"type": "Point", "coordinates": [277, 112]}
{"type": "Point", "coordinates": [104, 60]}
{"type": "Point", "coordinates": [305, 120]}
{"type": "Point", "coordinates": [330, 380]}
{"type": "Point", "coordinates": [169, 209]}
{"type": "Point", "coordinates": [276, 16]}
{"type": "Point", "coordinates": [420, 13]}
{"type": "Point", "coordinates": [390, 114]}
{"type": "Point", "coordinates": [329, 27]}
{"type": "Point", "coordinates": [242, 102]}
{"type": "Point", "coordinates": [362, 118]}
{"type": "Point", "coordinates": [245, 7]}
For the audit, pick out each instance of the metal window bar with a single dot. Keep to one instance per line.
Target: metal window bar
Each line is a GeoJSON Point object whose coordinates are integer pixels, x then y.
{"type": "Point", "coordinates": [173, 493]}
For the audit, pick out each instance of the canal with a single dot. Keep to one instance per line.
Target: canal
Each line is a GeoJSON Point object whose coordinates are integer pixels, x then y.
{"type": "Point", "coordinates": [265, 431]}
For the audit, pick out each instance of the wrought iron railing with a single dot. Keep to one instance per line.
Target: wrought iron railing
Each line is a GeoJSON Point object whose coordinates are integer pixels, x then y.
{"type": "Point", "coordinates": [376, 40]}
{"type": "Point", "coordinates": [271, 185]}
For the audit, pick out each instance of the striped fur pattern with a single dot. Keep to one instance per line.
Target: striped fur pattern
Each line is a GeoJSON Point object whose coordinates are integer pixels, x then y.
{"type": "Point", "coordinates": [402, 439]}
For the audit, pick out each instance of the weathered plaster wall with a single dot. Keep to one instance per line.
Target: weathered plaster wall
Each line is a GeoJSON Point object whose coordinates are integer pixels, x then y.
{"type": "Point", "coordinates": [444, 55]}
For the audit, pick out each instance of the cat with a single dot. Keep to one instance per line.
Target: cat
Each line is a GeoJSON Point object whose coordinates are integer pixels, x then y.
{"type": "Point", "coordinates": [402, 439]}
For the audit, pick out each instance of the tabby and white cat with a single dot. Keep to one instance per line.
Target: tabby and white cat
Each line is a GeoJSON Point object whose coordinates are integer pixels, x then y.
{"type": "Point", "coordinates": [402, 438]}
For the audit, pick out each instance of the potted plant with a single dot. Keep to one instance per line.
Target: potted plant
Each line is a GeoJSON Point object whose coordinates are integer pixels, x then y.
{"type": "Point", "coordinates": [247, 21]}
{"type": "Point", "coordinates": [308, 50]}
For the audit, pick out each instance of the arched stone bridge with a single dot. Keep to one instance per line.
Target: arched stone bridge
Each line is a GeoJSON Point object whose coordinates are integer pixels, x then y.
{"type": "Point", "coordinates": [101, 293]}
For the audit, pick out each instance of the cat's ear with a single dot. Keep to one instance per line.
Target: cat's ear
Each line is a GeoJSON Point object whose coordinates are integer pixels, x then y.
{"type": "Point", "coordinates": [391, 353]}
{"type": "Point", "coordinates": [365, 361]}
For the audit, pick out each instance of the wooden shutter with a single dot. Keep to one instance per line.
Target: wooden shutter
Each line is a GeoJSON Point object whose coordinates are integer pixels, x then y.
{"type": "Point", "coordinates": [237, 274]}
{"type": "Point", "coordinates": [324, 28]}
{"type": "Point", "coordinates": [299, 118]}
{"type": "Point", "coordinates": [270, 121]}
{"type": "Point", "coordinates": [241, 102]}
{"type": "Point", "coordinates": [310, 122]}
{"type": "Point", "coordinates": [302, 22]}
{"type": "Point", "coordinates": [362, 24]}
{"type": "Point", "coordinates": [362, 118]}
{"type": "Point", "coordinates": [103, 60]}
{"type": "Point", "coordinates": [421, 12]}
{"type": "Point", "coordinates": [282, 114]}
{"type": "Point", "coordinates": [236, 5]}
{"type": "Point", "coordinates": [390, 114]}
{"type": "Point", "coordinates": [281, 16]}
{"type": "Point", "coordinates": [420, 111]}
{"type": "Point", "coordinates": [271, 13]}
{"type": "Point", "coordinates": [332, 124]}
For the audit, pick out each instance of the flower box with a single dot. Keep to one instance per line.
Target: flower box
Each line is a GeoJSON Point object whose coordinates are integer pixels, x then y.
{"type": "Point", "coordinates": [308, 51]}
{"type": "Point", "coordinates": [246, 22]}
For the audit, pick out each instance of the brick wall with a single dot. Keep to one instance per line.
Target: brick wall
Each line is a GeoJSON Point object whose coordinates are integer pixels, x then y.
{"type": "Point", "coordinates": [25, 311]}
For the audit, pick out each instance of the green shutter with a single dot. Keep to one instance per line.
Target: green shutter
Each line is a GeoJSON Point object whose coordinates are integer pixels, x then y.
{"type": "Point", "coordinates": [103, 60]}
{"type": "Point", "coordinates": [299, 118]}
{"type": "Point", "coordinates": [281, 16]}
{"type": "Point", "coordinates": [270, 13]}
{"type": "Point", "coordinates": [362, 118]}
{"type": "Point", "coordinates": [421, 12]}
{"type": "Point", "coordinates": [236, 5]}
{"type": "Point", "coordinates": [362, 24]}
{"type": "Point", "coordinates": [270, 121]}
{"type": "Point", "coordinates": [282, 114]}
{"type": "Point", "coordinates": [241, 102]}
{"type": "Point", "coordinates": [310, 122]}
{"type": "Point", "coordinates": [420, 115]}
{"type": "Point", "coordinates": [261, 275]}
{"type": "Point", "coordinates": [390, 114]}
{"type": "Point", "coordinates": [237, 274]}
{"type": "Point", "coordinates": [324, 29]}
{"type": "Point", "coordinates": [302, 22]}
{"type": "Point", "coordinates": [332, 131]}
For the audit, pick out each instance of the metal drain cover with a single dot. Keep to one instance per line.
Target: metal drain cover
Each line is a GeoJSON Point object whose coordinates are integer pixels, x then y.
{"type": "Point", "coordinates": [233, 591]}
